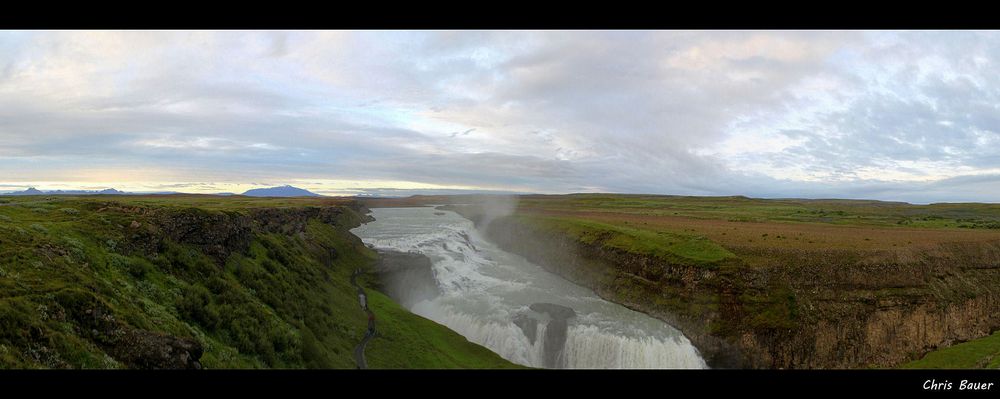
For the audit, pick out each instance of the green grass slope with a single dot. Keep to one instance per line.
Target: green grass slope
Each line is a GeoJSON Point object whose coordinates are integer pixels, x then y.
{"type": "Point", "coordinates": [978, 353]}
{"type": "Point", "coordinates": [103, 281]}
{"type": "Point", "coordinates": [406, 340]}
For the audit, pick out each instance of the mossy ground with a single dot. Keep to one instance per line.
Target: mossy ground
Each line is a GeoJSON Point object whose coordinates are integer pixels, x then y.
{"type": "Point", "coordinates": [666, 245]}
{"type": "Point", "coordinates": [978, 353]}
{"type": "Point", "coordinates": [406, 340]}
{"type": "Point", "coordinates": [285, 302]}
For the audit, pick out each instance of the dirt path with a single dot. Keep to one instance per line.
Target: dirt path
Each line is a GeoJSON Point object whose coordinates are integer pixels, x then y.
{"type": "Point", "coordinates": [359, 351]}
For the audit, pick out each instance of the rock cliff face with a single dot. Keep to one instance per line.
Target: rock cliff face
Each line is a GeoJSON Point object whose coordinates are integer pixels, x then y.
{"type": "Point", "coordinates": [803, 309]}
{"type": "Point", "coordinates": [555, 331]}
{"type": "Point", "coordinates": [219, 234]}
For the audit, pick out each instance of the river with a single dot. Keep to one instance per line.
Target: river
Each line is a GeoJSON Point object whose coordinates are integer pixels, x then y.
{"type": "Point", "coordinates": [517, 309]}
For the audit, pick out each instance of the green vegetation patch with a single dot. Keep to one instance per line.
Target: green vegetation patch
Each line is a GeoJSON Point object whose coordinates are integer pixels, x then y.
{"type": "Point", "coordinates": [979, 353]}
{"type": "Point", "coordinates": [743, 209]}
{"type": "Point", "coordinates": [668, 246]}
{"type": "Point", "coordinates": [406, 340]}
{"type": "Point", "coordinates": [777, 309]}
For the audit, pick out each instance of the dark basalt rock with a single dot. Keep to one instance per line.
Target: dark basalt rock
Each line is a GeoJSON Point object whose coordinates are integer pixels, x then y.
{"type": "Point", "coordinates": [554, 342]}
{"type": "Point", "coordinates": [468, 241]}
{"type": "Point", "coordinates": [528, 325]}
{"type": "Point", "coordinates": [152, 350]}
{"type": "Point", "coordinates": [217, 233]}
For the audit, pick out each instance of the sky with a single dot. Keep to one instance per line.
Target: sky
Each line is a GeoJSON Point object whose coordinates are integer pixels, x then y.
{"type": "Point", "coordinates": [902, 116]}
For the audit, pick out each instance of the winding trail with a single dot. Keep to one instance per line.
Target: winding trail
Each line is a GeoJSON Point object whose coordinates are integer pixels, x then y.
{"type": "Point", "coordinates": [359, 351]}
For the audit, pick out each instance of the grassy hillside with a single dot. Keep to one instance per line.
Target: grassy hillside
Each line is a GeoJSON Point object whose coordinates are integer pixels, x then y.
{"type": "Point", "coordinates": [165, 281]}
{"type": "Point", "coordinates": [406, 340]}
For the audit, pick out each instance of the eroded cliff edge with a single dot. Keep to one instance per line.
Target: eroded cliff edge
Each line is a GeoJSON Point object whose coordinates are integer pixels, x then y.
{"type": "Point", "coordinates": [792, 309]}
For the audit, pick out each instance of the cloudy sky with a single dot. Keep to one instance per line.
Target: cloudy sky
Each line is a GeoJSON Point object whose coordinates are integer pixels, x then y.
{"type": "Point", "coordinates": [911, 116]}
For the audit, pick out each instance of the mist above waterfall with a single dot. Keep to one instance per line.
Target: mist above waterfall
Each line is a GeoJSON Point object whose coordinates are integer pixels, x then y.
{"type": "Point", "coordinates": [407, 277]}
{"type": "Point", "coordinates": [497, 206]}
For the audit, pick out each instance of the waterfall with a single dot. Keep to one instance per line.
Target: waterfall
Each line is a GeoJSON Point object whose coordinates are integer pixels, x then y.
{"type": "Point", "coordinates": [515, 308]}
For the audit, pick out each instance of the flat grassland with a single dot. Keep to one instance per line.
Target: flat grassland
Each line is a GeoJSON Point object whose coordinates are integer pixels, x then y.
{"type": "Point", "coordinates": [740, 225]}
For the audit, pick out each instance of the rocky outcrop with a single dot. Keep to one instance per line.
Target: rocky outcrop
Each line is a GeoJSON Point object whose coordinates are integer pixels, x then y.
{"type": "Point", "coordinates": [289, 221]}
{"type": "Point", "coordinates": [556, 322]}
{"type": "Point", "coordinates": [802, 309]}
{"type": "Point", "coordinates": [221, 233]}
{"type": "Point", "coordinates": [217, 233]}
{"type": "Point", "coordinates": [132, 347]}
{"type": "Point", "coordinates": [528, 325]}
{"type": "Point", "coordinates": [554, 344]}
{"type": "Point", "coordinates": [152, 350]}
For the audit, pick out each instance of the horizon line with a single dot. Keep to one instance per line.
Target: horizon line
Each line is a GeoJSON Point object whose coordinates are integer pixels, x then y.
{"type": "Point", "coordinates": [463, 192]}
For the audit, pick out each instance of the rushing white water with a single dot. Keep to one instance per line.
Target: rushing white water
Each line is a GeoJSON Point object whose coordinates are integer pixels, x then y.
{"type": "Point", "coordinates": [484, 290]}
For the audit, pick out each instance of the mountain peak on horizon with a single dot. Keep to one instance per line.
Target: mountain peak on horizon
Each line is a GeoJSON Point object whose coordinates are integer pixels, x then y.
{"type": "Point", "coordinates": [35, 191]}
{"type": "Point", "coordinates": [280, 191]}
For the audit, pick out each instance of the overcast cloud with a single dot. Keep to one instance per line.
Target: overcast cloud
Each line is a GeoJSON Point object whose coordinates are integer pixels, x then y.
{"type": "Point", "coordinates": [910, 116]}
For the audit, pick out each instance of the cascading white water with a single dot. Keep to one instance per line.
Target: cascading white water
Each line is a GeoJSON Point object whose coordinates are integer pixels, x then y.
{"type": "Point", "coordinates": [484, 290]}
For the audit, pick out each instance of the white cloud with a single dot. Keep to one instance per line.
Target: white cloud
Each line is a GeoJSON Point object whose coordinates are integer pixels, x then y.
{"type": "Point", "coordinates": [895, 115]}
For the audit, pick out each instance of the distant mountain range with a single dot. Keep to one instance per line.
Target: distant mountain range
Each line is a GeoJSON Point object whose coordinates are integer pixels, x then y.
{"type": "Point", "coordinates": [283, 191]}
{"type": "Point", "coordinates": [34, 191]}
